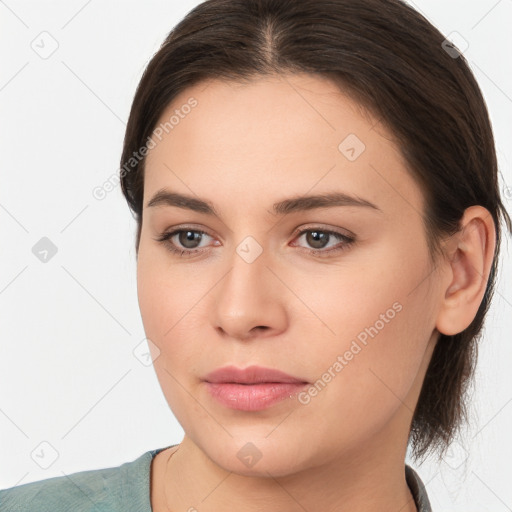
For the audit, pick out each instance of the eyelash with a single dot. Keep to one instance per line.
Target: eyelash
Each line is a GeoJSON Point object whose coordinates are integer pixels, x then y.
{"type": "Point", "coordinates": [347, 242]}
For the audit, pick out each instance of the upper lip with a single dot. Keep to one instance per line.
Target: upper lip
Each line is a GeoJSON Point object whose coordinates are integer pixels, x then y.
{"type": "Point", "coordinates": [250, 375]}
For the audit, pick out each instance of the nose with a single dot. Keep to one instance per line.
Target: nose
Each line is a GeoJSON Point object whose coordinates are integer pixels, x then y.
{"type": "Point", "coordinates": [249, 301]}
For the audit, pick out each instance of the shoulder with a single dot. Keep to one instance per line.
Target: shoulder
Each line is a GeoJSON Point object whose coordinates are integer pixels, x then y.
{"type": "Point", "coordinates": [83, 491]}
{"type": "Point", "coordinates": [98, 490]}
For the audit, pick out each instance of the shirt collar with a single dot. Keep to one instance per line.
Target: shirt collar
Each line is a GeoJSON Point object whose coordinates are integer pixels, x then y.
{"type": "Point", "coordinates": [418, 490]}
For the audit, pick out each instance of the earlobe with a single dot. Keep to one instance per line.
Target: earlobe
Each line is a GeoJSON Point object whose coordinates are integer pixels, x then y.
{"type": "Point", "coordinates": [467, 270]}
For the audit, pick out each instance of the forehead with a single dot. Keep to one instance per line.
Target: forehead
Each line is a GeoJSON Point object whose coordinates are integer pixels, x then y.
{"type": "Point", "coordinates": [280, 111]}
{"type": "Point", "coordinates": [288, 133]}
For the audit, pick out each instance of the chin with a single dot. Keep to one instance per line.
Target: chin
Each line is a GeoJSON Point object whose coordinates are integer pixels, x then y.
{"type": "Point", "coordinates": [255, 456]}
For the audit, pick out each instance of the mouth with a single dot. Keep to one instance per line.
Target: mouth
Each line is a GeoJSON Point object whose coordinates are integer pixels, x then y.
{"type": "Point", "coordinates": [253, 388]}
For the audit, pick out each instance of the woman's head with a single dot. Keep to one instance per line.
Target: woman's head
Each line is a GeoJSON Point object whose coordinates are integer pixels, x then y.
{"type": "Point", "coordinates": [251, 102]}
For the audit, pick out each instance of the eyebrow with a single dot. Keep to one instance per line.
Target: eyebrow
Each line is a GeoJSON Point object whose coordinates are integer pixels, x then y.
{"type": "Point", "coordinates": [164, 197]}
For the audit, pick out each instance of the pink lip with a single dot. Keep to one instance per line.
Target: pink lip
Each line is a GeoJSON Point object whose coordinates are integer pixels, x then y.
{"type": "Point", "coordinates": [250, 375]}
{"type": "Point", "coordinates": [253, 388]}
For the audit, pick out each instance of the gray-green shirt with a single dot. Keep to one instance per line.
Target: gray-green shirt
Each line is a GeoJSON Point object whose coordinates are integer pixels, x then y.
{"type": "Point", "coordinates": [119, 489]}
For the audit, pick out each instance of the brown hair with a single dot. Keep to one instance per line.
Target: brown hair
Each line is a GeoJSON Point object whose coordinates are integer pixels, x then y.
{"type": "Point", "coordinates": [397, 65]}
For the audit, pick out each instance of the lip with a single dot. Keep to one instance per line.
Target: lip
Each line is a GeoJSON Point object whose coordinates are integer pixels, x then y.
{"type": "Point", "coordinates": [250, 375]}
{"type": "Point", "coordinates": [253, 388]}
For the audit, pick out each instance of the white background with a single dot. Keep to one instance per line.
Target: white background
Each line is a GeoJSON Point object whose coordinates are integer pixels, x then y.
{"type": "Point", "coordinates": [68, 374]}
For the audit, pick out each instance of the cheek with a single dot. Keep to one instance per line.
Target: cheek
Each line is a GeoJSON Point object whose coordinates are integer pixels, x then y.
{"type": "Point", "coordinates": [166, 306]}
{"type": "Point", "coordinates": [165, 291]}
{"type": "Point", "coordinates": [380, 319]}
{"type": "Point", "coordinates": [171, 302]}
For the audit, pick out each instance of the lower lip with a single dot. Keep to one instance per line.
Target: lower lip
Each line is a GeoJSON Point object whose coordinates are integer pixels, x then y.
{"type": "Point", "coordinates": [252, 397]}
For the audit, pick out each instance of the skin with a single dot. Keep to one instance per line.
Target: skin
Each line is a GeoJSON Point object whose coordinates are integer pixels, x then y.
{"type": "Point", "coordinates": [243, 148]}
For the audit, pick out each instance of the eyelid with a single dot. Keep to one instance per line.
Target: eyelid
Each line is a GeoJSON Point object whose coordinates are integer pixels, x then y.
{"type": "Point", "coordinates": [324, 229]}
{"type": "Point", "coordinates": [187, 227]}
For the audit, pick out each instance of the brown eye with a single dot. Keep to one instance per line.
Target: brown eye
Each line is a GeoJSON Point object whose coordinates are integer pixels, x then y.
{"type": "Point", "coordinates": [186, 241]}
{"type": "Point", "coordinates": [189, 238]}
{"type": "Point", "coordinates": [318, 239]}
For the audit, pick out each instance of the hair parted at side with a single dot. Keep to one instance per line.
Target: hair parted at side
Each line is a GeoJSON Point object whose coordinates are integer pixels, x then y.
{"type": "Point", "coordinates": [391, 60]}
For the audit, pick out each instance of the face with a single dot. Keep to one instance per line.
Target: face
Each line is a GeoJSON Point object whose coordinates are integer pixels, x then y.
{"type": "Point", "coordinates": [340, 296]}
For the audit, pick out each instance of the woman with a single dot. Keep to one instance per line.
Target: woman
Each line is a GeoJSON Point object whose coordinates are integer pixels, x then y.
{"type": "Point", "coordinates": [315, 186]}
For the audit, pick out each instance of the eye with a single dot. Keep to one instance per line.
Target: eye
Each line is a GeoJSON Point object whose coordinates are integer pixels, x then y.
{"type": "Point", "coordinates": [187, 241]}
{"type": "Point", "coordinates": [187, 238]}
{"type": "Point", "coordinates": [320, 238]}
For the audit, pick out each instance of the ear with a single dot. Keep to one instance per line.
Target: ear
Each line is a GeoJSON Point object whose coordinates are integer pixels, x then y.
{"type": "Point", "coordinates": [470, 257]}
